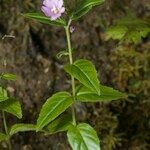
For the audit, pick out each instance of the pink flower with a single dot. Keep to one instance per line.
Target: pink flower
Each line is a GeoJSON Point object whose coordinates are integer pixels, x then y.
{"type": "Point", "coordinates": [53, 8]}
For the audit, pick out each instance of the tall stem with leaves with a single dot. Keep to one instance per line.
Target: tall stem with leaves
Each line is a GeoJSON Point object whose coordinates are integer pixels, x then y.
{"type": "Point", "coordinates": [90, 90]}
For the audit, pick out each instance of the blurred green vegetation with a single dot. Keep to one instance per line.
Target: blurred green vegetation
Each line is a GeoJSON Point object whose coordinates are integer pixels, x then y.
{"type": "Point", "coordinates": [121, 125]}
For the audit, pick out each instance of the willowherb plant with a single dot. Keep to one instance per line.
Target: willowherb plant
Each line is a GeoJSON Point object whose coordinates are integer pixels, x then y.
{"type": "Point", "coordinates": [10, 105]}
{"type": "Point", "coordinates": [85, 84]}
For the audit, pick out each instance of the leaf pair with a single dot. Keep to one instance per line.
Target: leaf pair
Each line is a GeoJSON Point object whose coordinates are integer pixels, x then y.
{"type": "Point", "coordinates": [82, 7]}
{"type": "Point", "coordinates": [91, 90]}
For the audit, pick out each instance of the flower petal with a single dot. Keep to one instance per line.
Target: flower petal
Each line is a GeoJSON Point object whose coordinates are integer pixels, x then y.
{"type": "Point", "coordinates": [56, 16]}
{"type": "Point", "coordinates": [48, 3]}
{"type": "Point", "coordinates": [60, 3]}
{"type": "Point", "coordinates": [46, 11]}
{"type": "Point", "coordinates": [62, 10]}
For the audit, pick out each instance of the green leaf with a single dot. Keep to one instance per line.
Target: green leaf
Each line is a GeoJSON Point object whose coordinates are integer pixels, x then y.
{"type": "Point", "coordinates": [129, 29]}
{"type": "Point", "coordinates": [83, 6]}
{"type": "Point", "coordinates": [9, 76]}
{"type": "Point", "coordinates": [12, 106]}
{"type": "Point", "coordinates": [53, 107]}
{"type": "Point", "coordinates": [60, 124]}
{"type": "Point", "coordinates": [83, 137]}
{"type": "Point", "coordinates": [3, 94]}
{"type": "Point", "coordinates": [45, 20]}
{"type": "Point", "coordinates": [107, 94]}
{"type": "Point", "coordinates": [3, 137]}
{"type": "Point", "coordinates": [21, 128]}
{"type": "Point", "coordinates": [84, 71]}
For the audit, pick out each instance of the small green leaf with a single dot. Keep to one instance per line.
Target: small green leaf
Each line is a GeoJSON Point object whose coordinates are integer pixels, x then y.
{"type": "Point", "coordinates": [53, 107]}
{"type": "Point", "coordinates": [107, 94]}
{"type": "Point", "coordinates": [3, 94]}
{"type": "Point", "coordinates": [12, 106]}
{"type": "Point", "coordinates": [85, 72]}
{"type": "Point", "coordinates": [21, 128]}
{"type": "Point", "coordinates": [43, 19]}
{"type": "Point", "coordinates": [3, 137]}
{"type": "Point", "coordinates": [83, 137]}
{"type": "Point", "coordinates": [83, 6]}
{"type": "Point", "coordinates": [9, 76]}
{"type": "Point", "coordinates": [60, 124]}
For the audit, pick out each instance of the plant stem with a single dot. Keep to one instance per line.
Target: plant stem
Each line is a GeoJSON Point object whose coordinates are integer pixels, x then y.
{"type": "Point", "coordinates": [6, 130]}
{"type": "Point", "coordinates": [71, 62]}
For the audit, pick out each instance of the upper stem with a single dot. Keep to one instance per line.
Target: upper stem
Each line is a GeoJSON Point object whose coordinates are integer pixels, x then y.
{"type": "Point", "coordinates": [71, 62]}
{"type": "Point", "coordinates": [70, 55]}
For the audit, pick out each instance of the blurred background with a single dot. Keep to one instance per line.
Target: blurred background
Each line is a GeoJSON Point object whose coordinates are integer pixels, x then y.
{"type": "Point", "coordinates": [31, 55]}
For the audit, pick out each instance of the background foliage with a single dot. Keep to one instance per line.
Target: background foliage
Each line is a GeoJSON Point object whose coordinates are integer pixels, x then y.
{"type": "Point", "coordinates": [32, 54]}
